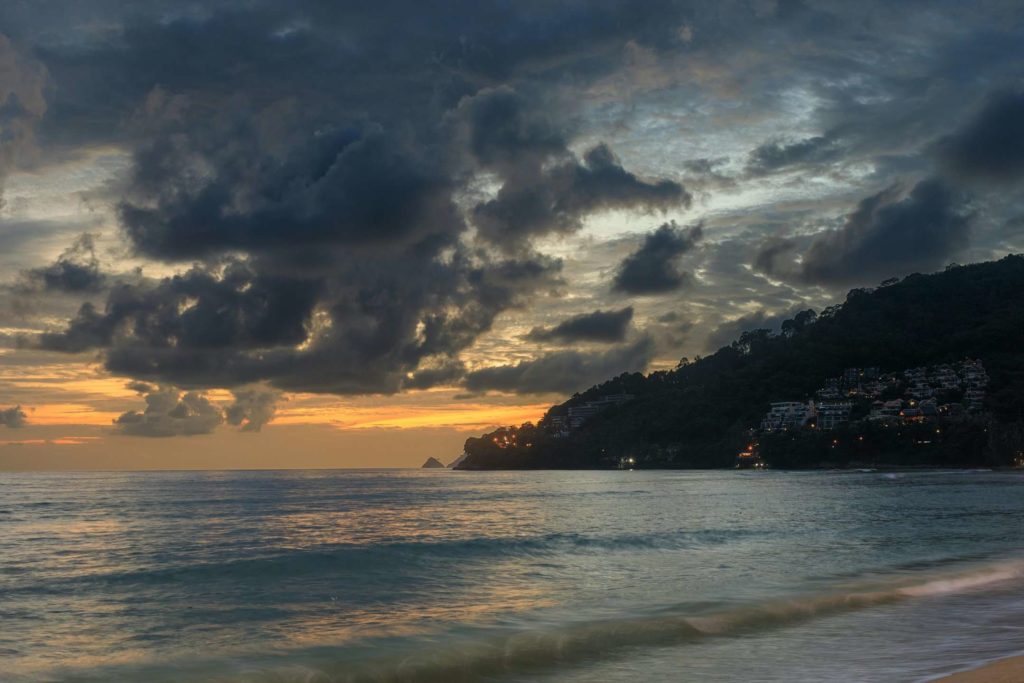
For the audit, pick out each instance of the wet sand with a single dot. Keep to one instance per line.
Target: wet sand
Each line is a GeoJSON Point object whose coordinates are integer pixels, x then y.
{"type": "Point", "coordinates": [1003, 671]}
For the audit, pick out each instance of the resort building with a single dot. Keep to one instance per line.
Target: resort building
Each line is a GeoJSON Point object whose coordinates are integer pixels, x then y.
{"type": "Point", "coordinates": [787, 415]}
{"type": "Point", "coordinates": [921, 391]}
{"type": "Point", "coordinates": [831, 415]}
{"type": "Point", "coordinates": [563, 425]}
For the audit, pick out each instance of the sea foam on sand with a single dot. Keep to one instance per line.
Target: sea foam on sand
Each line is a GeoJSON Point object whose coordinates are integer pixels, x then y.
{"type": "Point", "coordinates": [1002, 671]}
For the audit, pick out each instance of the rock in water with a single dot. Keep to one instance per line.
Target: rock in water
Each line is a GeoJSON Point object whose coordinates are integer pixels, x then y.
{"type": "Point", "coordinates": [433, 462]}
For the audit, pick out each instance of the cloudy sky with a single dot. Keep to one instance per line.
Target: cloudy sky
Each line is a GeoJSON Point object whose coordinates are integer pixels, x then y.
{"type": "Point", "coordinates": [253, 234]}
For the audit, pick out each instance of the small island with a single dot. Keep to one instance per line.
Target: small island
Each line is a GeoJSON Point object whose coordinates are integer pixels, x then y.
{"type": "Point", "coordinates": [927, 371]}
{"type": "Point", "coordinates": [432, 463]}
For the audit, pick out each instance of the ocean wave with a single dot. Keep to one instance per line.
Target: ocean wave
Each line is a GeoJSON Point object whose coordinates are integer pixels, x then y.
{"type": "Point", "coordinates": [484, 657]}
{"type": "Point", "coordinates": [574, 643]}
{"type": "Point", "coordinates": [339, 558]}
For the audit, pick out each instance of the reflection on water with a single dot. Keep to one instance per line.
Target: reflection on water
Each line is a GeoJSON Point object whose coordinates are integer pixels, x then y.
{"type": "Point", "coordinates": [589, 576]}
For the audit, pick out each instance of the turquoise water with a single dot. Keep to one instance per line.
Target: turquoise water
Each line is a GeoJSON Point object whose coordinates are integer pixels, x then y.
{"type": "Point", "coordinates": [538, 576]}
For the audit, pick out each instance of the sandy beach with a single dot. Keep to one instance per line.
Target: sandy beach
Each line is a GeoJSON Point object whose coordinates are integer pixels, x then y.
{"type": "Point", "coordinates": [1003, 671]}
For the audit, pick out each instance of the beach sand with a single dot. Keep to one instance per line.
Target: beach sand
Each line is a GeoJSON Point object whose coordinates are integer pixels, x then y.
{"type": "Point", "coordinates": [1003, 671]}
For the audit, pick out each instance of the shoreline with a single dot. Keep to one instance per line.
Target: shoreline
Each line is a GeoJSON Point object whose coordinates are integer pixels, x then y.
{"type": "Point", "coordinates": [1008, 670]}
{"type": "Point", "coordinates": [838, 470]}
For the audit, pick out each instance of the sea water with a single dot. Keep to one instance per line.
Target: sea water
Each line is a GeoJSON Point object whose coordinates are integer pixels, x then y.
{"type": "Point", "coordinates": [408, 575]}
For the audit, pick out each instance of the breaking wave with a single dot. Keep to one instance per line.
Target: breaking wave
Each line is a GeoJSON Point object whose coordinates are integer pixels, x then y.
{"type": "Point", "coordinates": [483, 657]}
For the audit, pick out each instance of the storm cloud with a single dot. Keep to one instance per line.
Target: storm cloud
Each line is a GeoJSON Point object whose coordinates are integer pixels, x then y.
{"type": "Point", "coordinates": [892, 233]}
{"type": "Point", "coordinates": [13, 417]}
{"type": "Point", "coordinates": [652, 268]}
{"type": "Point", "coordinates": [345, 187]}
{"type": "Point", "coordinates": [556, 200]}
{"type": "Point", "coordinates": [76, 270]}
{"type": "Point", "coordinates": [322, 245]}
{"type": "Point", "coordinates": [22, 105]}
{"type": "Point", "coordinates": [283, 197]}
{"type": "Point", "coordinates": [360, 331]}
{"type": "Point", "coordinates": [991, 145]}
{"type": "Point", "coordinates": [773, 156]}
{"type": "Point", "coordinates": [599, 326]}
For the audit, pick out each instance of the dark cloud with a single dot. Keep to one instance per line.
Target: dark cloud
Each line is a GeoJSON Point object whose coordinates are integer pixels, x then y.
{"type": "Point", "coordinates": [363, 329]}
{"type": "Point", "coordinates": [709, 175]}
{"type": "Point", "coordinates": [140, 388]}
{"type": "Point", "coordinates": [562, 371]}
{"type": "Point", "coordinates": [773, 156]}
{"type": "Point", "coordinates": [675, 322]}
{"type": "Point", "coordinates": [354, 212]}
{"type": "Point", "coordinates": [235, 308]}
{"type": "Point", "coordinates": [704, 166]}
{"type": "Point", "coordinates": [504, 130]}
{"type": "Point", "coordinates": [599, 326]}
{"type": "Point", "coordinates": [312, 167]}
{"type": "Point", "coordinates": [22, 104]}
{"type": "Point", "coordinates": [76, 270]}
{"type": "Point", "coordinates": [13, 417]}
{"type": "Point", "coordinates": [343, 187]}
{"type": "Point", "coordinates": [652, 268]}
{"type": "Point", "coordinates": [544, 187]}
{"type": "Point", "coordinates": [170, 413]}
{"type": "Point", "coordinates": [775, 257]}
{"type": "Point", "coordinates": [890, 234]}
{"type": "Point", "coordinates": [670, 317]}
{"type": "Point", "coordinates": [991, 145]}
{"type": "Point", "coordinates": [536, 202]}
{"type": "Point", "coordinates": [448, 372]}
{"type": "Point", "coordinates": [252, 408]}
{"type": "Point", "coordinates": [338, 56]}
{"type": "Point", "coordinates": [671, 330]}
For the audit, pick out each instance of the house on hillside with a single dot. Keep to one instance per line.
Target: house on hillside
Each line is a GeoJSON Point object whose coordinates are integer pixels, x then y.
{"type": "Point", "coordinates": [787, 415]}
{"type": "Point", "coordinates": [831, 415]}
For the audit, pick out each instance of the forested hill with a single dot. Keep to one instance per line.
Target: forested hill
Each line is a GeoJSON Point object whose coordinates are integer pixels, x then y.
{"type": "Point", "coordinates": [700, 413]}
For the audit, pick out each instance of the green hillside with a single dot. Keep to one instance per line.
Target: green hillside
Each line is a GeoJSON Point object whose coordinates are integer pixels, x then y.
{"type": "Point", "coordinates": [701, 413]}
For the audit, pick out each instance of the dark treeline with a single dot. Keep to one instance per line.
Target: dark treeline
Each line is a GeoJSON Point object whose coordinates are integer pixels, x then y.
{"type": "Point", "coordinates": [700, 413]}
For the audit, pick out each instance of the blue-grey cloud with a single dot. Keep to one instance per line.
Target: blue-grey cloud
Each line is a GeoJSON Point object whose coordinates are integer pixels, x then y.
{"type": "Point", "coordinates": [562, 371]}
{"type": "Point", "coordinates": [652, 269]}
{"type": "Point", "coordinates": [252, 408]}
{"type": "Point", "coordinates": [890, 233]}
{"type": "Point", "coordinates": [599, 326]}
{"type": "Point", "coordinates": [76, 270]}
{"type": "Point", "coordinates": [538, 202]}
{"type": "Point", "coordinates": [22, 106]}
{"type": "Point", "coordinates": [773, 156]}
{"type": "Point", "coordinates": [170, 413]}
{"type": "Point", "coordinates": [991, 145]}
{"type": "Point", "coordinates": [338, 211]}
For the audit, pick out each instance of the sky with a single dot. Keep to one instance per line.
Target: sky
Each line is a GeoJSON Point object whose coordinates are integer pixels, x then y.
{"type": "Point", "coordinates": [320, 234]}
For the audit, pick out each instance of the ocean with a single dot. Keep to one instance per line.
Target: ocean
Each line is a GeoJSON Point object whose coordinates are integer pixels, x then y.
{"type": "Point", "coordinates": [410, 575]}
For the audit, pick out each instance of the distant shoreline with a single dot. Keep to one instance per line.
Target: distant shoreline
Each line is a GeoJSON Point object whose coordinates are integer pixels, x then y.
{"type": "Point", "coordinates": [838, 470]}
